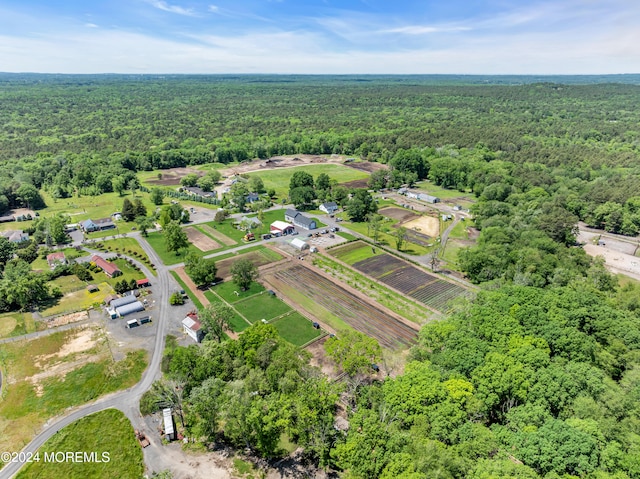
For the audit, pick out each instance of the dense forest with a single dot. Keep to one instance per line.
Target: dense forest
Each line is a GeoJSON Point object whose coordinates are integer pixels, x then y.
{"type": "Point", "coordinates": [538, 377]}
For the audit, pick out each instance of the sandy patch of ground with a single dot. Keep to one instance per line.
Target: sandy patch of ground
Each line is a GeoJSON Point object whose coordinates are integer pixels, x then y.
{"type": "Point", "coordinates": [200, 240]}
{"type": "Point", "coordinates": [616, 261]}
{"type": "Point", "coordinates": [320, 360]}
{"type": "Point", "coordinates": [7, 324]}
{"type": "Point", "coordinates": [172, 176]}
{"type": "Point", "coordinates": [425, 224]}
{"type": "Point", "coordinates": [217, 235]}
{"type": "Point", "coordinates": [84, 340]}
{"type": "Point", "coordinates": [66, 319]}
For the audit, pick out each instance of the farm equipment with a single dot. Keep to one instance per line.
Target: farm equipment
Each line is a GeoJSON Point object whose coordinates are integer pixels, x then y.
{"type": "Point", "coordinates": [249, 237]}
{"type": "Point", "coordinates": [142, 439]}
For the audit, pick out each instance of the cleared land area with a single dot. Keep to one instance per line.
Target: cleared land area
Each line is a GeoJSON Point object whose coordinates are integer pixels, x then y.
{"type": "Point", "coordinates": [296, 329]}
{"type": "Point", "coordinates": [399, 214]}
{"type": "Point", "coordinates": [105, 432]}
{"type": "Point", "coordinates": [427, 225]}
{"type": "Point", "coordinates": [258, 257]}
{"type": "Point", "coordinates": [200, 240]}
{"type": "Point", "coordinates": [46, 375]}
{"type": "Point", "coordinates": [409, 280]}
{"type": "Point", "coordinates": [217, 235]}
{"type": "Point", "coordinates": [356, 312]}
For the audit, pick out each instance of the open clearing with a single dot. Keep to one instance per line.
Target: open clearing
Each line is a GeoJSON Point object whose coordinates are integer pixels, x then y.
{"type": "Point", "coordinates": [355, 311]}
{"type": "Point", "coordinates": [171, 177]}
{"type": "Point", "coordinates": [80, 300]}
{"type": "Point", "coordinates": [103, 432]}
{"type": "Point", "coordinates": [46, 375]}
{"type": "Point", "coordinates": [426, 225]}
{"type": "Point", "coordinates": [200, 240]}
{"type": "Point", "coordinates": [214, 233]}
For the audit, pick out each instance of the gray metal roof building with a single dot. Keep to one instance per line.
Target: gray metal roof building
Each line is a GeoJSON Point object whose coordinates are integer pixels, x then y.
{"type": "Point", "coordinates": [116, 303]}
{"type": "Point", "coordinates": [130, 308]}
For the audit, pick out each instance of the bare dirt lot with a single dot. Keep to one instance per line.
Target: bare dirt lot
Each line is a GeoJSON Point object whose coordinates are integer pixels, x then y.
{"type": "Point", "coordinates": [425, 224]}
{"type": "Point", "coordinates": [356, 183]}
{"type": "Point", "coordinates": [200, 240]}
{"type": "Point", "coordinates": [217, 235]}
{"type": "Point", "coordinates": [172, 176]}
{"type": "Point", "coordinates": [281, 162]}
{"type": "Point", "coordinates": [367, 166]}
{"type": "Point", "coordinates": [224, 266]}
{"type": "Point", "coordinates": [399, 214]}
{"type": "Point", "coordinates": [319, 358]}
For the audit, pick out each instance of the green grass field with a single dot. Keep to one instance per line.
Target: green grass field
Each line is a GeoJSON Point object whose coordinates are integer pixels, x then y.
{"type": "Point", "coordinates": [296, 329]}
{"type": "Point", "coordinates": [261, 306]}
{"type": "Point", "coordinates": [16, 324]}
{"type": "Point", "coordinates": [388, 239]}
{"type": "Point", "coordinates": [459, 231]}
{"type": "Point", "coordinates": [79, 300]}
{"type": "Point", "coordinates": [227, 291]}
{"type": "Point", "coordinates": [45, 381]}
{"type": "Point", "coordinates": [278, 179]}
{"type": "Point", "coordinates": [354, 252]}
{"type": "Point", "coordinates": [442, 193]}
{"type": "Point", "coordinates": [107, 433]}
{"type": "Point", "coordinates": [157, 242]}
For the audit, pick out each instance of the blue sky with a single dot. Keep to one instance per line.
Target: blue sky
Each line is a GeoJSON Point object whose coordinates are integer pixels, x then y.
{"type": "Point", "coordinates": [320, 36]}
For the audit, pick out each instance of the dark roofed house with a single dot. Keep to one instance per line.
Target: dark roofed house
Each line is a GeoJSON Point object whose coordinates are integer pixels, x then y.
{"type": "Point", "coordinates": [109, 269]}
{"type": "Point", "coordinates": [252, 197]}
{"type": "Point", "coordinates": [298, 219]}
{"type": "Point", "coordinates": [89, 226]}
{"type": "Point", "coordinates": [55, 259]}
{"type": "Point", "coordinates": [196, 191]}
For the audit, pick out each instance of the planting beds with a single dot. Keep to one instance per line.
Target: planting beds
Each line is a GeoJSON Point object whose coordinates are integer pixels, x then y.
{"type": "Point", "coordinates": [356, 312]}
{"type": "Point", "coordinates": [411, 281]}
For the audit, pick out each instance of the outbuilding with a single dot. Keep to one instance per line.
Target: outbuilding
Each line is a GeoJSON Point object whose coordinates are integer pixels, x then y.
{"type": "Point", "coordinates": [116, 303]}
{"type": "Point", "coordinates": [329, 208]}
{"type": "Point", "coordinates": [299, 244]}
{"type": "Point", "coordinates": [130, 308]}
{"type": "Point", "coordinates": [169, 429]}
{"type": "Point", "coordinates": [192, 327]}
{"type": "Point", "coordinates": [281, 228]}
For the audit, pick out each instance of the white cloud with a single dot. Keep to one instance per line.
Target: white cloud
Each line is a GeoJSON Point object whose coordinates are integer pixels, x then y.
{"type": "Point", "coordinates": [425, 29]}
{"type": "Point", "coordinates": [162, 5]}
{"type": "Point", "coordinates": [91, 25]}
{"type": "Point", "coordinates": [214, 8]}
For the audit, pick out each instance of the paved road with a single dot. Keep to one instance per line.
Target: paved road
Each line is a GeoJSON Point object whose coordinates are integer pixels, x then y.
{"type": "Point", "coordinates": [126, 401]}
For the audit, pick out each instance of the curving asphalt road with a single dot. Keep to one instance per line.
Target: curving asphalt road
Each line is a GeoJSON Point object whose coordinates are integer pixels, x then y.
{"type": "Point", "coordinates": [128, 400]}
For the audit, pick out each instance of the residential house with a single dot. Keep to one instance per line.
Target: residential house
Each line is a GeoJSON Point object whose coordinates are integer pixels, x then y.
{"type": "Point", "coordinates": [329, 208]}
{"type": "Point", "coordinates": [109, 269]}
{"type": "Point", "coordinates": [193, 327]}
{"type": "Point", "coordinates": [55, 259]}
{"type": "Point", "coordinates": [196, 191]}
{"type": "Point", "coordinates": [252, 198]}
{"type": "Point", "coordinates": [89, 226]}
{"type": "Point", "coordinates": [15, 236]}
{"type": "Point", "coordinates": [300, 220]}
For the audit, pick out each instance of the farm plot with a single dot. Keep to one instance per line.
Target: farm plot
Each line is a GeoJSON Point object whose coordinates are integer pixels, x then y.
{"type": "Point", "coordinates": [379, 265]}
{"type": "Point", "coordinates": [296, 329]}
{"type": "Point", "coordinates": [200, 240]}
{"type": "Point", "coordinates": [261, 306]}
{"type": "Point", "coordinates": [214, 233]}
{"type": "Point", "coordinates": [258, 258]}
{"type": "Point", "coordinates": [411, 281]}
{"type": "Point", "coordinates": [438, 294]}
{"type": "Point", "coordinates": [399, 214]}
{"type": "Point", "coordinates": [358, 313]}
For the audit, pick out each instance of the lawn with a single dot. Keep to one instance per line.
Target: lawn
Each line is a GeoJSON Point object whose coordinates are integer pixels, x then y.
{"type": "Point", "coordinates": [262, 306]}
{"type": "Point", "coordinates": [278, 179]}
{"type": "Point", "coordinates": [94, 207]}
{"type": "Point", "coordinates": [228, 289]}
{"type": "Point", "coordinates": [347, 236]}
{"type": "Point", "coordinates": [196, 301]}
{"type": "Point", "coordinates": [442, 193]}
{"type": "Point", "coordinates": [237, 322]}
{"type": "Point", "coordinates": [354, 252]}
{"type": "Point", "coordinates": [450, 254]}
{"type": "Point", "coordinates": [296, 329]}
{"type": "Point", "coordinates": [16, 324]}
{"type": "Point", "coordinates": [79, 300]}
{"type": "Point", "coordinates": [227, 228]}
{"type": "Point", "coordinates": [47, 377]}
{"type": "Point", "coordinates": [157, 242]}
{"type": "Point", "coordinates": [459, 231]}
{"type": "Point", "coordinates": [107, 433]}
{"type": "Point", "coordinates": [128, 246]}
{"type": "Point", "coordinates": [68, 284]}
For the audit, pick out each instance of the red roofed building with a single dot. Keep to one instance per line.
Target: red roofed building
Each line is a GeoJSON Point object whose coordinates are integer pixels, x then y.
{"type": "Point", "coordinates": [141, 283]}
{"type": "Point", "coordinates": [109, 269]}
{"type": "Point", "coordinates": [54, 259]}
{"type": "Point", "coordinates": [193, 327]}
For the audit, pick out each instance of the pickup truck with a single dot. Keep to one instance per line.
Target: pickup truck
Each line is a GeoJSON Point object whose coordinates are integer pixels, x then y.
{"type": "Point", "coordinates": [142, 439]}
